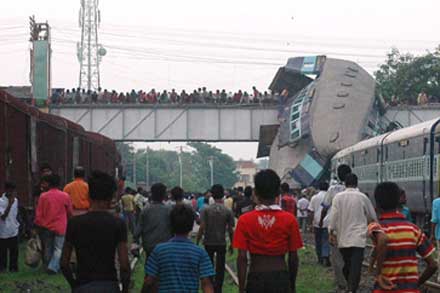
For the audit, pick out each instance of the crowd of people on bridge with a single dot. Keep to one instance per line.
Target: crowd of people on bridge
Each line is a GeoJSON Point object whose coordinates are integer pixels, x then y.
{"type": "Point", "coordinates": [84, 233]}
{"type": "Point", "coordinates": [197, 96]}
{"type": "Point", "coordinates": [422, 99]}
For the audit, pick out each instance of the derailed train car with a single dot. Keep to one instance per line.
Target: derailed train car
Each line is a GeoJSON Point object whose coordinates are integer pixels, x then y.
{"type": "Point", "coordinates": [408, 156]}
{"type": "Point", "coordinates": [326, 105]}
{"type": "Point", "coordinates": [29, 137]}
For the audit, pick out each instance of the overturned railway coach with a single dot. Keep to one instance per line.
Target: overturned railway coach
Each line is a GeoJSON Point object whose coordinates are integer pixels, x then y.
{"type": "Point", "coordinates": [408, 156]}
{"type": "Point", "coordinates": [29, 137]}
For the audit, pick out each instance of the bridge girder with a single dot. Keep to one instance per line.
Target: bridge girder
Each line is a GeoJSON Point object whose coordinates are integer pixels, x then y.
{"type": "Point", "coordinates": [171, 123]}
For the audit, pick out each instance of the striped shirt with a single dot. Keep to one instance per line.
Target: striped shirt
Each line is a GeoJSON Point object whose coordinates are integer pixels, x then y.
{"type": "Point", "coordinates": [179, 264]}
{"type": "Point", "coordinates": [405, 240]}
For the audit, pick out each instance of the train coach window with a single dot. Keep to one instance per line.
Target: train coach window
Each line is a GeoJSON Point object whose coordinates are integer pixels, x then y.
{"type": "Point", "coordinates": [425, 145]}
{"type": "Point", "coordinates": [294, 135]}
{"type": "Point", "coordinates": [294, 116]}
{"type": "Point", "coordinates": [377, 155]}
{"type": "Point", "coordinates": [364, 157]}
{"type": "Point", "coordinates": [294, 125]}
{"type": "Point", "coordinates": [437, 140]}
{"type": "Point", "coordinates": [404, 143]}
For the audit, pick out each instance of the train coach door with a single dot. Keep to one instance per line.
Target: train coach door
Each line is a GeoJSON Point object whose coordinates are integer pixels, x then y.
{"type": "Point", "coordinates": [379, 165]}
{"type": "Point", "coordinates": [434, 150]}
{"type": "Point", "coordinates": [383, 157]}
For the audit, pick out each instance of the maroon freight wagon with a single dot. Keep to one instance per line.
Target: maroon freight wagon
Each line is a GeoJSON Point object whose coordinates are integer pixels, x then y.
{"type": "Point", "coordinates": [29, 137]}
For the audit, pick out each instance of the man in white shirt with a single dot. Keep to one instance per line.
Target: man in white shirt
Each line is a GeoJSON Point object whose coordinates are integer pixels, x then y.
{"type": "Point", "coordinates": [140, 201]}
{"type": "Point", "coordinates": [303, 213]}
{"type": "Point", "coordinates": [321, 233]}
{"type": "Point", "coordinates": [9, 229]}
{"type": "Point", "coordinates": [336, 260]}
{"type": "Point", "coordinates": [350, 215]}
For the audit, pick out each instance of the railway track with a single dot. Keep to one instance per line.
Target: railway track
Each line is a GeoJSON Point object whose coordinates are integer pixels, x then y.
{"type": "Point", "coordinates": [232, 274]}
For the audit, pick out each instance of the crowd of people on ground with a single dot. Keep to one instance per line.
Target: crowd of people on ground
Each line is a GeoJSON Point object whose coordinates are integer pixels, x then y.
{"type": "Point", "coordinates": [84, 231]}
{"type": "Point", "coordinates": [197, 96]}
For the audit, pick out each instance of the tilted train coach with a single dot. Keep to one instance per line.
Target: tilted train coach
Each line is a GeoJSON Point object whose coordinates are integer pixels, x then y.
{"type": "Point", "coordinates": [29, 137]}
{"type": "Point", "coordinates": [408, 156]}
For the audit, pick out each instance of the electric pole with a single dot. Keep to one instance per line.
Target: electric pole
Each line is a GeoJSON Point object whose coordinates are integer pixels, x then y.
{"type": "Point", "coordinates": [147, 169]}
{"type": "Point", "coordinates": [90, 52]}
{"type": "Point", "coordinates": [179, 158]}
{"type": "Point", "coordinates": [179, 155]}
{"type": "Point", "coordinates": [134, 169]}
{"type": "Point", "coordinates": [211, 165]}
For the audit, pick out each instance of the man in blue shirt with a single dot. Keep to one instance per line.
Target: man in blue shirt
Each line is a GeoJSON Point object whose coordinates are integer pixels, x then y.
{"type": "Point", "coordinates": [179, 264]}
{"type": "Point", "coordinates": [404, 209]}
{"type": "Point", "coordinates": [435, 227]}
{"type": "Point", "coordinates": [200, 202]}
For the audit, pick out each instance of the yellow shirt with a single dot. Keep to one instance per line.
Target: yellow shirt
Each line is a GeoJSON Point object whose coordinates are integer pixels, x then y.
{"type": "Point", "coordinates": [78, 191]}
{"type": "Point", "coordinates": [229, 202]}
{"type": "Point", "coordinates": [128, 202]}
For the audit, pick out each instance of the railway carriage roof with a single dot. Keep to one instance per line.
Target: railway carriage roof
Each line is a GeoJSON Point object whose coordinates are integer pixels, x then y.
{"type": "Point", "coordinates": [365, 144]}
{"type": "Point", "coordinates": [398, 135]}
{"type": "Point", "coordinates": [411, 131]}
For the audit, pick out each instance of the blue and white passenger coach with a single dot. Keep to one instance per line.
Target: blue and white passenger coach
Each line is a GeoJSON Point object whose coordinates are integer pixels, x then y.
{"type": "Point", "coordinates": [408, 156]}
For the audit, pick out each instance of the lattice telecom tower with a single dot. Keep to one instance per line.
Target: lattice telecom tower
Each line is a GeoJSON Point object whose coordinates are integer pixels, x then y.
{"type": "Point", "coordinates": [90, 52]}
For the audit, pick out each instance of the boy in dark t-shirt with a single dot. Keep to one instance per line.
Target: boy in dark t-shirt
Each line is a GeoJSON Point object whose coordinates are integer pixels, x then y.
{"type": "Point", "coordinates": [96, 237]}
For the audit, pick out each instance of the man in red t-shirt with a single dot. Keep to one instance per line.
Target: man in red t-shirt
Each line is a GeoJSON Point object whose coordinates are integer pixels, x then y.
{"type": "Point", "coordinates": [53, 210]}
{"type": "Point", "coordinates": [288, 202]}
{"type": "Point", "coordinates": [268, 233]}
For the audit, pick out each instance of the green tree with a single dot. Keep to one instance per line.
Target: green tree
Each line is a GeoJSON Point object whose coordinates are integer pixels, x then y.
{"type": "Point", "coordinates": [405, 76]}
{"type": "Point", "coordinates": [224, 165]}
{"type": "Point", "coordinates": [164, 166]}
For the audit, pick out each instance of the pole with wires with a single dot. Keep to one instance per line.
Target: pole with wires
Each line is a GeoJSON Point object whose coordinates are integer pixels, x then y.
{"type": "Point", "coordinates": [211, 165]}
{"type": "Point", "coordinates": [147, 169]}
{"type": "Point", "coordinates": [134, 169]}
{"type": "Point", "coordinates": [179, 155]}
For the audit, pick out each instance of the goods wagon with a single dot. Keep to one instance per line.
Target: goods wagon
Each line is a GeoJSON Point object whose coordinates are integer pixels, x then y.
{"type": "Point", "coordinates": [29, 137]}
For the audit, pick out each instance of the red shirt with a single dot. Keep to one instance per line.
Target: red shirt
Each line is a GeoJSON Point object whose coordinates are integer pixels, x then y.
{"type": "Point", "coordinates": [53, 209]}
{"type": "Point", "coordinates": [288, 203]}
{"type": "Point", "coordinates": [267, 232]}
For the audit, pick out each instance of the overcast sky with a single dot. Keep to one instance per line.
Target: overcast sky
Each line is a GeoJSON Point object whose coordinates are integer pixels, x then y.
{"type": "Point", "coordinates": [227, 44]}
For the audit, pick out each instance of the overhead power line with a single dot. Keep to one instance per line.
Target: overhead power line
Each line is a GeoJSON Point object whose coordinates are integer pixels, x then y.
{"type": "Point", "coordinates": [215, 40]}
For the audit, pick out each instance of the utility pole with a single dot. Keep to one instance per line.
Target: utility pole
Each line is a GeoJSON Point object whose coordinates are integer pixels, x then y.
{"type": "Point", "coordinates": [89, 51]}
{"type": "Point", "coordinates": [180, 165]}
{"type": "Point", "coordinates": [134, 169]}
{"type": "Point", "coordinates": [179, 157]}
{"type": "Point", "coordinates": [211, 165]}
{"type": "Point", "coordinates": [147, 169]}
